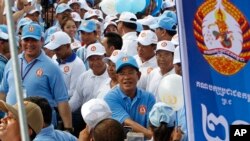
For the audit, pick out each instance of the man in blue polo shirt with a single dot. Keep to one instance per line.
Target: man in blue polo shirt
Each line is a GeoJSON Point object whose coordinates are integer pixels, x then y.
{"type": "Point", "coordinates": [39, 75]}
{"type": "Point", "coordinates": [130, 105]}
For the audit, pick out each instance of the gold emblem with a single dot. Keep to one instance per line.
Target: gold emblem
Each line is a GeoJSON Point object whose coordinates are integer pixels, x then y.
{"type": "Point", "coordinates": [115, 53]}
{"type": "Point", "coordinates": [31, 28]}
{"type": "Point", "coordinates": [164, 44]}
{"type": "Point", "coordinates": [142, 109]}
{"type": "Point", "coordinates": [222, 36]}
{"type": "Point", "coordinates": [125, 59]}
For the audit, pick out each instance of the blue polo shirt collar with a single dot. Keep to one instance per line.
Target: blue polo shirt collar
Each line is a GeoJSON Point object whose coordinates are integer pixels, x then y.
{"type": "Point", "coordinates": [71, 58]}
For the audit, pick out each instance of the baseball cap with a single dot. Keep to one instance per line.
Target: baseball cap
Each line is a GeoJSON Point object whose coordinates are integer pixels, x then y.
{"type": "Point", "coordinates": [94, 111]}
{"type": "Point", "coordinates": [95, 49]}
{"type": "Point", "coordinates": [76, 17]}
{"type": "Point", "coordinates": [23, 22]}
{"type": "Point", "coordinates": [167, 4]}
{"type": "Point", "coordinates": [90, 13]}
{"type": "Point", "coordinates": [165, 45]}
{"type": "Point", "coordinates": [127, 17]}
{"type": "Point", "coordinates": [74, 1]}
{"type": "Point", "coordinates": [170, 14]}
{"type": "Point", "coordinates": [148, 20]}
{"type": "Point", "coordinates": [32, 30]}
{"type": "Point", "coordinates": [106, 24]}
{"type": "Point", "coordinates": [126, 61]}
{"type": "Point", "coordinates": [33, 114]}
{"type": "Point", "coordinates": [166, 23]}
{"type": "Point", "coordinates": [62, 7]}
{"type": "Point", "coordinates": [3, 35]}
{"type": "Point", "coordinates": [33, 11]}
{"type": "Point", "coordinates": [177, 58]}
{"type": "Point", "coordinates": [75, 45]}
{"type": "Point", "coordinates": [116, 54]}
{"type": "Point", "coordinates": [84, 5]}
{"type": "Point", "coordinates": [110, 18]}
{"type": "Point", "coordinates": [147, 37]}
{"type": "Point", "coordinates": [87, 26]}
{"type": "Point", "coordinates": [162, 113]}
{"type": "Point", "coordinates": [58, 39]}
{"type": "Point", "coordinates": [4, 28]}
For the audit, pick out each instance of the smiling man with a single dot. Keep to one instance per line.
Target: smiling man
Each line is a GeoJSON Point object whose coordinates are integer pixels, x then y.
{"type": "Point", "coordinates": [130, 105]}
{"type": "Point", "coordinates": [39, 75]}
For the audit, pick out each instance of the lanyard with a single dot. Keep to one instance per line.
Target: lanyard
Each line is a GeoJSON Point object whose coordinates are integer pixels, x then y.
{"type": "Point", "coordinates": [23, 76]}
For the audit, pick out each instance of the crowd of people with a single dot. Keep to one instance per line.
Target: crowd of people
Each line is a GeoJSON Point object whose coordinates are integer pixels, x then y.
{"type": "Point", "coordinates": [87, 75]}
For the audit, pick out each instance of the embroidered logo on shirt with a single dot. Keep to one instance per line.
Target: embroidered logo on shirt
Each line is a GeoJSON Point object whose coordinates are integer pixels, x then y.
{"type": "Point", "coordinates": [39, 72]}
{"type": "Point", "coordinates": [142, 109]}
{"type": "Point", "coordinates": [66, 69]}
{"type": "Point", "coordinates": [149, 70]}
{"type": "Point", "coordinates": [143, 35]}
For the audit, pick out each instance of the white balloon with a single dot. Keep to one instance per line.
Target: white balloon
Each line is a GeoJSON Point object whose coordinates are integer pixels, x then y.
{"type": "Point", "coordinates": [108, 7]}
{"type": "Point", "coordinates": [170, 91]}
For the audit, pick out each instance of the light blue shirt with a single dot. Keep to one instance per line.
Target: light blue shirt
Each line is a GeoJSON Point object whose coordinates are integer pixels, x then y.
{"type": "Point", "coordinates": [50, 134]}
{"type": "Point", "coordinates": [41, 77]}
{"type": "Point", "coordinates": [123, 107]}
{"type": "Point", "coordinates": [3, 61]}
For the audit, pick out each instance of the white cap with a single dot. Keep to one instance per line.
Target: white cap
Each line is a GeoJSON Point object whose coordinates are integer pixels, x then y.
{"type": "Point", "coordinates": [74, 1]}
{"type": "Point", "coordinates": [84, 5]}
{"type": "Point", "coordinates": [127, 17]}
{"type": "Point", "coordinates": [106, 24]}
{"type": "Point", "coordinates": [3, 35]}
{"type": "Point", "coordinates": [58, 39]}
{"type": "Point", "coordinates": [75, 45]}
{"type": "Point", "coordinates": [175, 39]}
{"type": "Point", "coordinates": [165, 45]}
{"type": "Point", "coordinates": [95, 49]}
{"type": "Point", "coordinates": [148, 20]}
{"type": "Point", "coordinates": [90, 14]}
{"type": "Point", "coordinates": [94, 111]}
{"type": "Point", "coordinates": [76, 17]}
{"type": "Point", "coordinates": [99, 13]}
{"type": "Point", "coordinates": [116, 54]}
{"type": "Point", "coordinates": [177, 57]}
{"type": "Point", "coordinates": [110, 18]}
{"type": "Point", "coordinates": [147, 37]}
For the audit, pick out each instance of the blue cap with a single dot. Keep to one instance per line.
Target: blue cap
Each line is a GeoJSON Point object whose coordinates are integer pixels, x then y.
{"type": "Point", "coordinates": [4, 28]}
{"type": "Point", "coordinates": [170, 14]}
{"type": "Point", "coordinates": [23, 22]}
{"type": "Point", "coordinates": [87, 26]}
{"type": "Point", "coordinates": [126, 61]}
{"type": "Point", "coordinates": [62, 7]}
{"type": "Point", "coordinates": [166, 23]}
{"type": "Point", "coordinates": [92, 2]}
{"type": "Point", "coordinates": [161, 112]}
{"type": "Point", "coordinates": [32, 30]}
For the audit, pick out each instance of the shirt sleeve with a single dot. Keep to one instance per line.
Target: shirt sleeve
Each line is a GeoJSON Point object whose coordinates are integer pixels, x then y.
{"type": "Point", "coordinates": [76, 100]}
{"type": "Point", "coordinates": [119, 112]}
{"type": "Point", "coordinates": [4, 87]}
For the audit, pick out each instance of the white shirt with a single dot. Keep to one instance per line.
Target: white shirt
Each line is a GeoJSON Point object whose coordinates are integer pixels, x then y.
{"type": "Point", "coordinates": [145, 69]}
{"type": "Point", "coordinates": [71, 72]}
{"type": "Point", "coordinates": [153, 81]}
{"type": "Point", "coordinates": [104, 89]}
{"type": "Point", "coordinates": [87, 85]}
{"type": "Point", "coordinates": [129, 43]}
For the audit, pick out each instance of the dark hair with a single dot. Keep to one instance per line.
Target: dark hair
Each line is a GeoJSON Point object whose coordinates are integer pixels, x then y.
{"type": "Point", "coordinates": [45, 107]}
{"type": "Point", "coordinates": [161, 133]}
{"type": "Point", "coordinates": [132, 26]}
{"type": "Point", "coordinates": [108, 130]}
{"type": "Point", "coordinates": [114, 39]}
{"type": "Point", "coordinates": [33, 135]}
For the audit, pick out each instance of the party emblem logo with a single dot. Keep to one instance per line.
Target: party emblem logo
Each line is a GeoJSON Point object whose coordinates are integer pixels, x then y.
{"type": "Point", "coordinates": [142, 109]}
{"type": "Point", "coordinates": [164, 44]}
{"type": "Point", "coordinates": [31, 29]}
{"type": "Point", "coordinates": [66, 69]}
{"type": "Point", "coordinates": [222, 35]}
{"type": "Point", "coordinates": [125, 59]}
{"type": "Point", "coordinates": [39, 72]}
{"type": "Point", "coordinates": [115, 53]}
{"type": "Point", "coordinates": [93, 48]}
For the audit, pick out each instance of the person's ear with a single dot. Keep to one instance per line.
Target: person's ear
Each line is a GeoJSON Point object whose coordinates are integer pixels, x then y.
{"type": "Point", "coordinates": [30, 131]}
{"type": "Point", "coordinates": [139, 74]}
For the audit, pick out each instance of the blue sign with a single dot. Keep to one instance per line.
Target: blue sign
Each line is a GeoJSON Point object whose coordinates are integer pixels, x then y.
{"type": "Point", "coordinates": [215, 50]}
